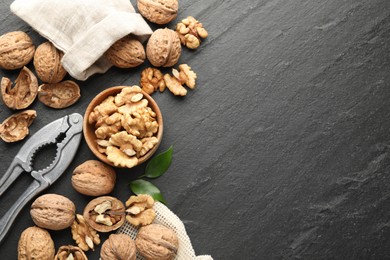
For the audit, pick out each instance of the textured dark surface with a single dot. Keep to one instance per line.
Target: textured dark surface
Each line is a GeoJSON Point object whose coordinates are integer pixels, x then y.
{"type": "Point", "coordinates": [282, 151]}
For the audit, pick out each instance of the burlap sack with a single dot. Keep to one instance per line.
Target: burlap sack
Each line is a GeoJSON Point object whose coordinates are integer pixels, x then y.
{"type": "Point", "coordinates": [82, 29]}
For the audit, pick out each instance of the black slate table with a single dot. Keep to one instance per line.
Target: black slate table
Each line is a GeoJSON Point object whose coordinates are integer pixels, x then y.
{"type": "Point", "coordinates": [282, 150]}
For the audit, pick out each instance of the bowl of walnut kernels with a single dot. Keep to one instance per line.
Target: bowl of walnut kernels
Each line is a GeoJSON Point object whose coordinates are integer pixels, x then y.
{"type": "Point", "coordinates": [123, 126]}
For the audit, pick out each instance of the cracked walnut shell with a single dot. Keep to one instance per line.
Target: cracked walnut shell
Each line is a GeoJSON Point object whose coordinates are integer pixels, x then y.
{"type": "Point", "coordinates": [47, 63]}
{"type": "Point", "coordinates": [127, 52]}
{"type": "Point", "coordinates": [15, 127]}
{"type": "Point", "coordinates": [163, 48]}
{"type": "Point", "coordinates": [93, 178]}
{"type": "Point", "coordinates": [158, 11]}
{"type": "Point", "coordinates": [23, 93]}
{"type": "Point", "coordinates": [70, 253]}
{"type": "Point", "coordinates": [53, 211]}
{"type": "Point", "coordinates": [59, 95]}
{"type": "Point", "coordinates": [118, 247]}
{"type": "Point", "coordinates": [16, 50]}
{"type": "Point", "coordinates": [105, 213]}
{"type": "Point", "coordinates": [35, 243]}
{"type": "Point", "coordinates": [156, 241]}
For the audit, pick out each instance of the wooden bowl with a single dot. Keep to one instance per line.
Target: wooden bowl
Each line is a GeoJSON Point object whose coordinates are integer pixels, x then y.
{"type": "Point", "coordinates": [89, 129]}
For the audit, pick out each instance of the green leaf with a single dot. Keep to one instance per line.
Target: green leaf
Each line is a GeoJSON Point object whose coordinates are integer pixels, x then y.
{"type": "Point", "coordinates": [159, 164]}
{"type": "Point", "coordinates": [144, 187]}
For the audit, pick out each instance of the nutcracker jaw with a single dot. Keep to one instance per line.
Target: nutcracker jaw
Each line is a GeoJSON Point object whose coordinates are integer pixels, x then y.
{"type": "Point", "coordinates": [66, 134]}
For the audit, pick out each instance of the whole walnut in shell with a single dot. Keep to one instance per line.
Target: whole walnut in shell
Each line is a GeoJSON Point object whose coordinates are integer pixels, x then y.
{"type": "Point", "coordinates": [163, 48]}
{"type": "Point", "coordinates": [16, 50]}
{"type": "Point", "coordinates": [35, 243]}
{"type": "Point", "coordinates": [156, 241]}
{"type": "Point", "coordinates": [93, 178]}
{"type": "Point", "coordinates": [158, 11]}
{"type": "Point", "coordinates": [47, 63]}
{"type": "Point", "coordinates": [53, 211]}
{"type": "Point", "coordinates": [127, 52]}
{"type": "Point", "coordinates": [118, 247]}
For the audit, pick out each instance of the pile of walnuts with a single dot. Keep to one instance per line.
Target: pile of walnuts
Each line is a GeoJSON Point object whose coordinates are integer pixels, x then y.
{"type": "Point", "coordinates": [101, 215]}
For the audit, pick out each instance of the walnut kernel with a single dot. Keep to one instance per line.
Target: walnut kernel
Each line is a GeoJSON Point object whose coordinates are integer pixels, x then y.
{"type": "Point", "coordinates": [140, 210]}
{"type": "Point", "coordinates": [70, 253]}
{"type": "Point", "coordinates": [151, 80]}
{"type": "Point", "coordinates": [83, 234]}
{"type": "Point", "coordinates": [191, 32]}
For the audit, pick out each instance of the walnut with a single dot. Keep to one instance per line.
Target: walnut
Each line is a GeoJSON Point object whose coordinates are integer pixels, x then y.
{"type": "Point", "coordinates": [15, 127]}
{"type": "Point", "coordinates": [35, 243]}
{"type": "Point", "coordinates": [126, 94]}
{"type": "Point", "coordinates": [70, 253]}
{"type": "Point", "coordinates": [127, 52]}
{"type": "Point", "coordinates": [16, 50]}
{"type": "Point", "coordinates": [83, 234]}
{"type": "Point", "coordinates": [147, 144]}
{"type": "Point", "coordinates": [53, 211]}
{"type": "Point", "coordinates": [47, 63]}
{"type": "Point", "coordinates": [59, 95]}
{"type": "Point", "coordinates": [127, 143]}
{"type": "Point", "coordinates": [174, 85]}
{"type": "Point", "coordinates": [140, 210]}
{"type": "Point", "coordinates": [158, 11]}
{"type": "Point", "coordinates": [163, 48]}
{"type": "Point", "coordinates": [107, 107]}
{"type": "Point", "coordinates": [118, 247]}
{"type": "Point", "coordinates": [156, 241]}
{"type": "Point", "coordinates": [105, 213]}
{"type": "Point", "coordinates": [191, 32]}
{"type": "Point", "coordinates": [93, 178]}
{"type": "Point", "coordinates": [105, 130]}
{"type": "Point", "coordinates": [185, 75]}
{"type": "Point", "coordinates": [151, 80]}
{"type": "Point", "coordinates": [23, 93]}
{"type": "Point", "coordinates": [119, 158]}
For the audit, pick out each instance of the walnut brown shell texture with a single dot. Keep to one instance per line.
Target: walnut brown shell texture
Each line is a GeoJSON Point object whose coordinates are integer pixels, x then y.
{"type": "Point", "coordinates": [53, 211]}
{"type": "Point", "coordinates": [156, 241]}
{"type": "Point", "coordinates": [47, 63]}
{"type": "Point", "coordinates": [59, 95]}
{"type": "Point", "coordinates": [23, 93]}
{"type": "Point", "coordinates": [16, 50]}
{"type": "Point", "coordinates": [16, 127]}
{"type": "Point", "coordinates": [163, 48]}
{"type": "Point", "coordinates": [118, 247]}
{"type": "Point", "coordinates": [158, 11]}
{"type": "Point", "coordinates": [35, 243]}
{"type": "Point", "coordinates": [93, 178]}
{"type": "Point", "coordinates": [127, 52]}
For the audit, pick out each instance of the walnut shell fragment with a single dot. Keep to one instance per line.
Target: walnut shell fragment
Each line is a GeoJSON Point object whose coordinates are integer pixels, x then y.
{"type": "Point", "coordinates": [47, 63]}
{"type": "Point", "coordinates": [127, 52]}
{"type": "Point", "coordinates": [15, 127]}
{"type": "Point", "coordinates": [23, 93]}
{"type": "Point", "coordinates": [59, 95]}
{"type": "Point", "coordinates": [158, 11]}
{"type": "Point", "coordinates": [16, 50]}
{"type": "Point", "coordinates": [53, 211]}
{"type": "Point", "coordinates": [156, 241]}
{"type": "Point", "coordinates": [105, 213]}
{"type": "Point", "coordinates": [35, 243]}
{"type": "Point", "coordinates": [93, 178]}
{"type": "Point", "coordinates": [70, 252]}
{"type": "Point", "coordinates": [118, 247]}
{"type": "Point", "coordinates": [163, 48]}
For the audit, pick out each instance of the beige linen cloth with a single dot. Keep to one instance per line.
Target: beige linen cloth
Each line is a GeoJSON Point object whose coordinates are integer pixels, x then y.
{"type": "Point", "coordinates": [166, 217]}
{"type": "Point", "coordinates": [82, 29]}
